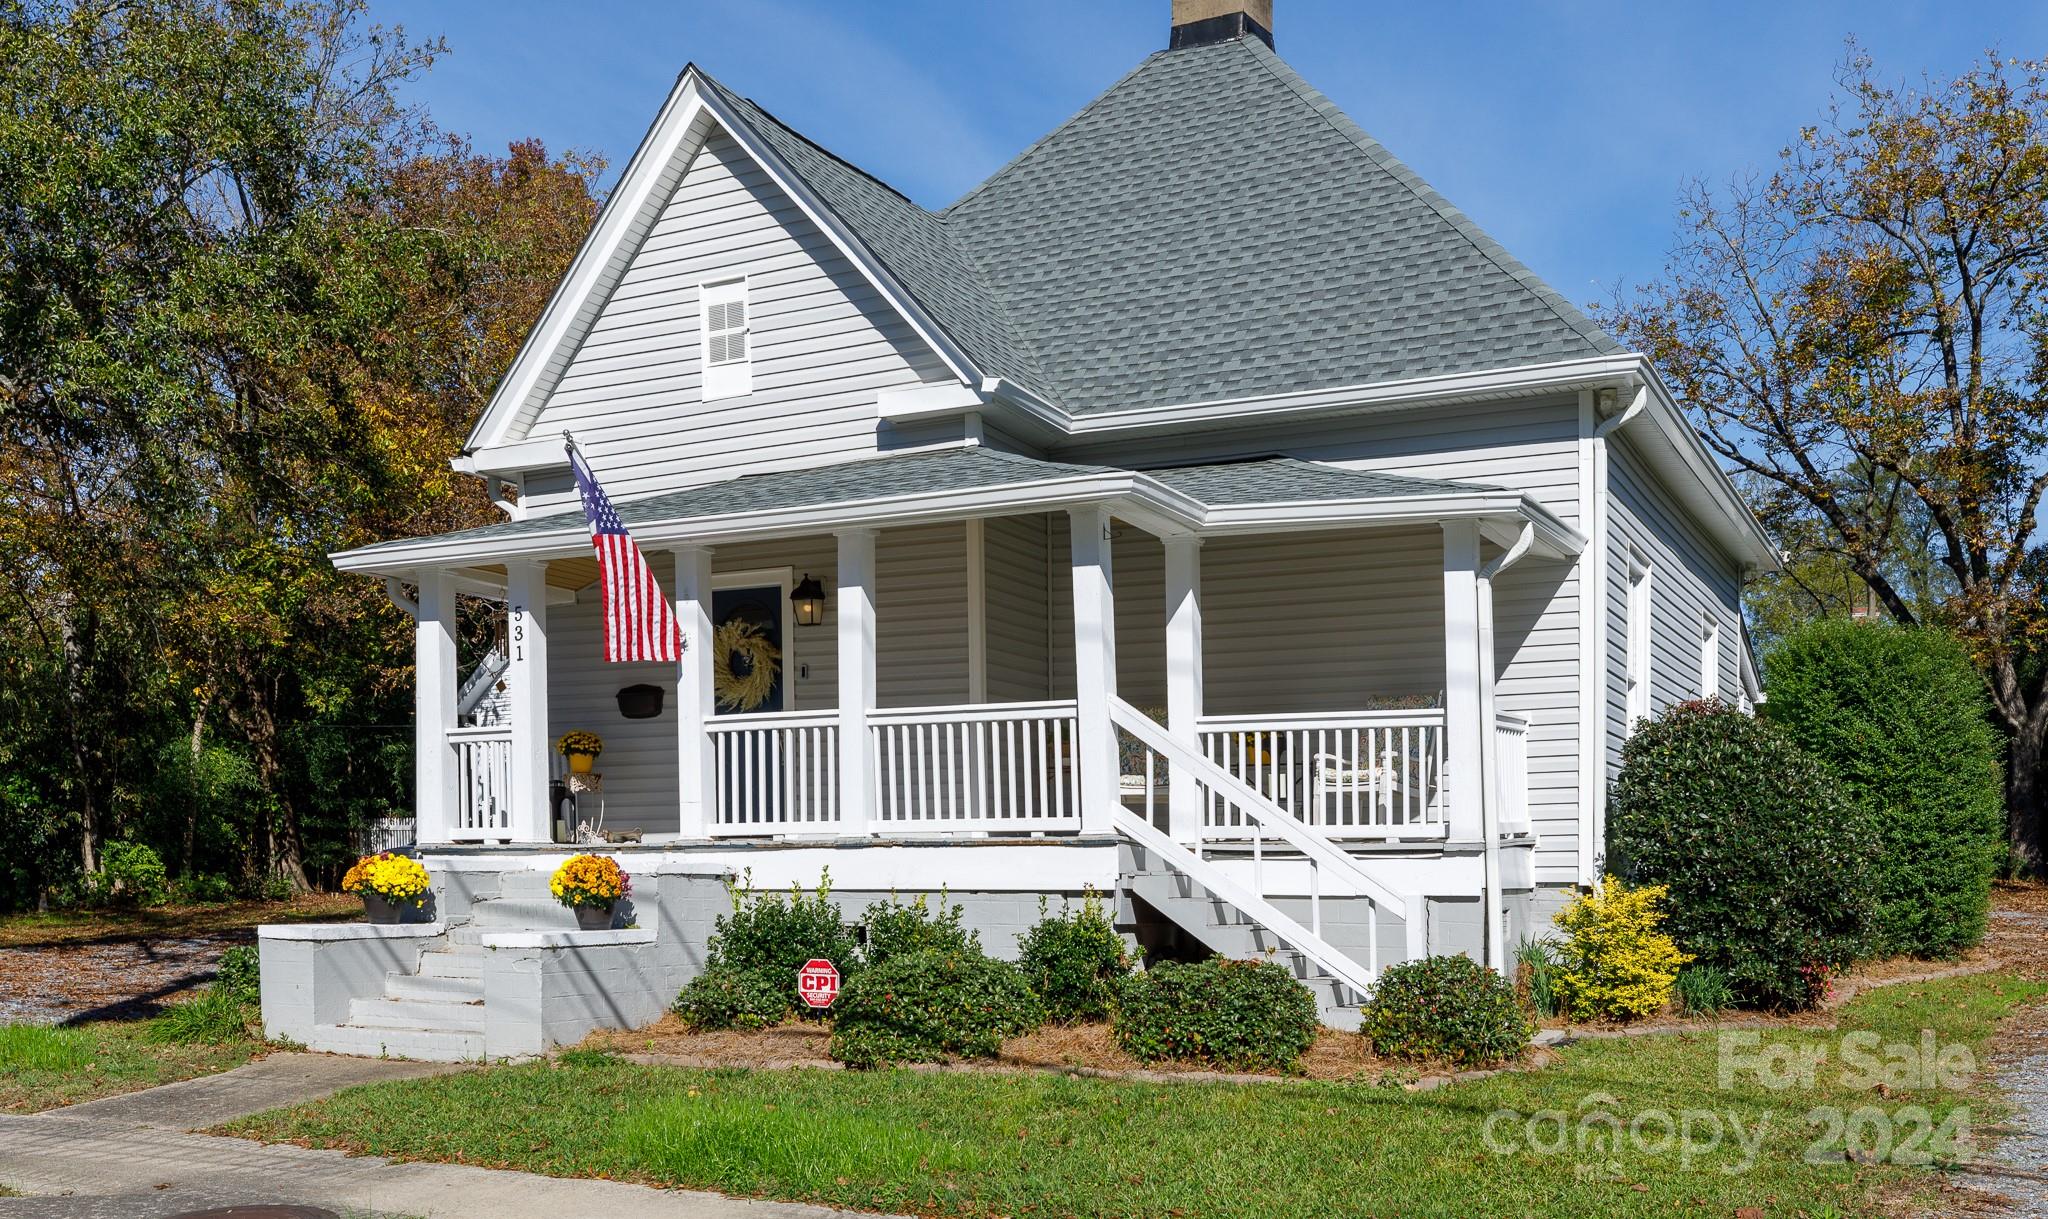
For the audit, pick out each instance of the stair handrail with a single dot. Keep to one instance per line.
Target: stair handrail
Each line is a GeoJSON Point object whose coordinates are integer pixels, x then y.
{"type": "Point", "coordinates": [1327, 956]}
{"type": "Point", "coordinates": [480, 680]}
{"type": "Point", "coordinates": [1248, 798]}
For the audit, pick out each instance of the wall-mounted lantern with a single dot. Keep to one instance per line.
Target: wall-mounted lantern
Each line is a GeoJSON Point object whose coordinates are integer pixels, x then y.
{"type": "Point", "coordinates": [809, 599]}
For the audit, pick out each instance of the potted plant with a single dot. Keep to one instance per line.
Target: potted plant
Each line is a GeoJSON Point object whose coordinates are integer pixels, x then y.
{"type": "Point", "coordinates": [388, 884]}
{"type": "Point", "coordinates": [581, 748]}
{"type": "Point", "coordinates": [591, 885]}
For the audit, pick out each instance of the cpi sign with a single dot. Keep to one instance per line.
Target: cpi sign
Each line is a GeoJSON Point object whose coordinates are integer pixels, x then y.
{"type": "Point", "coordinates": [818, 982]}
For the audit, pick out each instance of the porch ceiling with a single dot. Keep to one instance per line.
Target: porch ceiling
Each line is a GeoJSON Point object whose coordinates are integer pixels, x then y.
{"type": "Point", "coordinates": [1263, 495]}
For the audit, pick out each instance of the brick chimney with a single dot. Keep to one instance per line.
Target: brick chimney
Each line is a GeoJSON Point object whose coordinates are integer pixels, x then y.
{"type": "Point", "coordinates": [1200, 22]}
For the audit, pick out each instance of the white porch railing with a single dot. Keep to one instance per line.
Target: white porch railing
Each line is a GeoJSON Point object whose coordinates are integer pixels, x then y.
{"type": "Point", "coordinates": [1511, 749]}
{"type": "Point", "coordinates": [775, 772]}
{"type": "Point", "coordinates": [1353, 774]}
{"type": "Point", "coordinates": [483, 782]}
{"type": "Point", "coordinates": [976, 768]}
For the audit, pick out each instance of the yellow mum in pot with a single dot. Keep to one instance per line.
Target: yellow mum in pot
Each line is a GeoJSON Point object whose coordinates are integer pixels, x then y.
{"type": "Point", "coordinates": [590, 881]}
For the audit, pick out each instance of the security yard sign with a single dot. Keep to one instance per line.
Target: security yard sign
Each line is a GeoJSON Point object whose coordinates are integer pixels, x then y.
{"type": "Point", "coordinates": [818, 982]}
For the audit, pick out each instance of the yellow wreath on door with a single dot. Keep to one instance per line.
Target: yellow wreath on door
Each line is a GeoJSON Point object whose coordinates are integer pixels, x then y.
{"type": "Point", "coordinates": [743, 639]}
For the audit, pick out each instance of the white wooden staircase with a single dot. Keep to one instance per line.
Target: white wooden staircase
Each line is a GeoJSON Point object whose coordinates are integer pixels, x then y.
{"type": "Point", "coordinates": [1224, 913]}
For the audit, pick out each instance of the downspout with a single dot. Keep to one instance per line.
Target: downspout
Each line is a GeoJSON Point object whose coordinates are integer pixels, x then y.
{"type": "Point", "coordinates": [1489, 746]}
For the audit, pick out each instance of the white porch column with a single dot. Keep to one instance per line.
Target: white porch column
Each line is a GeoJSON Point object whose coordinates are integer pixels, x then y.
{"type": "Point", "coordinates": [434, 708]}
{"type": "Point", "coordinates": [526, 648]}
{"type": "Point", "coordinates": [1462, 739]}
{"type": "Point", "coordinates": [1184, 677]}
{"type": "Point", "coordinates": [856, 679]}
{"type": "Point", "coordinates": [1095, 753]}
{"type": "Point", "coordinates": [696, 791]}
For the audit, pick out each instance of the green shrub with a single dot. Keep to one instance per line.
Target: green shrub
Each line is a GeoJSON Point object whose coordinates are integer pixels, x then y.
{"type": "Point", "coordinates": [930, 1005]}
{"type": "Point", "coordinates": [894, 928]}
{"type": "Point", "coordinates": [726, 998]}
{"type": "Point", "coordinates": [1074, 961]}
{"type": "Point", "coordinates": [775, 933]}
{"type": "Point", "coordinates": [1903, 720]}
{"type": "Point", "coordinates": [1536, 977]}
{"type": "Point", "coordinates": [241, 973]}
{"type": "Point", "coordinates": [1703, 990]}
{"type": "Point", "coordinates": [132, 875]}
{"type": "Point", "coordinates": [1241, 1015]}
{"type": "Point", "coordinates": [1614, 963]}
{"type": "Point", "coordinates": [1770, 869]}
{"type": "Point", "coordinates": [1445, 1009]}
{"type": "Point", "coordinates": [206, 888]}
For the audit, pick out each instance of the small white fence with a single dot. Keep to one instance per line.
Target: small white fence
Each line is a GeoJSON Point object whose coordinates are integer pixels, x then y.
{"type": "Point", "coordinates": [483, 782]}
{"type": "Point", "coordinates": [978, 768]}
{"type": "Point", "coordinates": [1356, 774]}
{"type": "Point", "coordinates": [775, 773]}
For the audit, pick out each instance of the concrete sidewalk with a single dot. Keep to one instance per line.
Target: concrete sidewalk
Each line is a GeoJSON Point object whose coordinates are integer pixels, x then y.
{"type": "Point", "coordinates": [272, 1082]}
{"type": "Point", "coordinates": [122, 1170]}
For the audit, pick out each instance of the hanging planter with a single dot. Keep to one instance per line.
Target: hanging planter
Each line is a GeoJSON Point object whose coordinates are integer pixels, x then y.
{"type": "Point", "coordinates": [641, 702]}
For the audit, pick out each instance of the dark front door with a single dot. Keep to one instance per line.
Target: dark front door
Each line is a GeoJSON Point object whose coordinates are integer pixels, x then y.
{"type": "Point", "coordinates": [753, 649]}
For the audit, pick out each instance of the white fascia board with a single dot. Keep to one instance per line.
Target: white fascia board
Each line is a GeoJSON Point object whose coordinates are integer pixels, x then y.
{"type": "Point", "coordinates": [1131, 495]}
{"type": "Point", "coordinates": [1724, 509]}
{"type": "Point", "coordinates": [541, 453]}
{"type": "Point", "coordinates": [1554, 538]}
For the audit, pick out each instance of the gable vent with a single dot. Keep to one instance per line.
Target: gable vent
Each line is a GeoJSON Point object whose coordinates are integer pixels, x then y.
{"type": "Point", "coordinates": [1200, 22]}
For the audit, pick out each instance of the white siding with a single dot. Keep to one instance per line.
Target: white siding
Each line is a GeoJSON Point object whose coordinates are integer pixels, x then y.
{"type": "Point", "coordinates": [1691, 579]}
{"type": "Point", "coordinates": [1529, 446]}
{"type": "Point", "coordinates": [823, 343]}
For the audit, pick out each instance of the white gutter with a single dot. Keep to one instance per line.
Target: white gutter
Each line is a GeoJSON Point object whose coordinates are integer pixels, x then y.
{"type": "Point", "coordinates": [1489, 747]}
{"type": "Point", "coordinates": [396, 592]}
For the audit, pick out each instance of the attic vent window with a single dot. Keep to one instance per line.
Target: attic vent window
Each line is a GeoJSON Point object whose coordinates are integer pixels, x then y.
{"type": "Point", "coordinates": [728, 363]}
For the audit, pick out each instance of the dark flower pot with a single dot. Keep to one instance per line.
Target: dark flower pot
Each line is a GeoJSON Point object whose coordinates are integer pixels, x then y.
{"type": "Point", "coordinates": [381, 909]}
{"type": "Point", "coordinates": [594, 918]}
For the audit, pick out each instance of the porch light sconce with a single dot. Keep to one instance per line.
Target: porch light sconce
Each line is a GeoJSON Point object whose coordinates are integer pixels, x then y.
{"type": "Point", "coordinates": [809, 599]}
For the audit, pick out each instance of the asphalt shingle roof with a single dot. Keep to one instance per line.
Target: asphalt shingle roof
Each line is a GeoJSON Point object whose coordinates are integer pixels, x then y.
{"type": "Point", "coordinates": [1288, 480]}
{"type": "Point", "coordinates": [1210, 227]}
{"type": "Point", "coordinates": [1265, 480]}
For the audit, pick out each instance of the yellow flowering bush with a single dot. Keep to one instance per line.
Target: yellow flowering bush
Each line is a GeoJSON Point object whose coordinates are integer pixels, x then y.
{"type": "Point", "coordinates": [1615, 965]}
{"type": "Point", "coordinates": [394, 878]}
{"type": "Point", "coordinates": [589, 880]}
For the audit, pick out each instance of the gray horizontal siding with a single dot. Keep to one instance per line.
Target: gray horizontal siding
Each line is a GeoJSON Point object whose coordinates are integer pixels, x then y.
{"type": "Point", "coordinates": [823, 343]}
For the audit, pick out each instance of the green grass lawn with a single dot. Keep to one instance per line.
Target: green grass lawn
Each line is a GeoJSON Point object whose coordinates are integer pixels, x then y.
{"type": "Point", "coordinates": [975, 1144]}
{"type": "Point", "coordinates": [43, 1068]}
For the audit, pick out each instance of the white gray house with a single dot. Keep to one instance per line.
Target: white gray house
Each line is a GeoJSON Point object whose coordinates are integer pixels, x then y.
{"type": "Point", "coordinates": [1205, 511]}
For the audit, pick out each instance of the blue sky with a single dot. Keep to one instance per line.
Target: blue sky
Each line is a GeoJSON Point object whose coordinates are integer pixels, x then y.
{"type": "Point", "coordinates": [1564, 127]}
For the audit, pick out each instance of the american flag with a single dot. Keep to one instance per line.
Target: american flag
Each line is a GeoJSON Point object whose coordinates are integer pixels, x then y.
{"type": "Point", "coordinates": [639, 623]}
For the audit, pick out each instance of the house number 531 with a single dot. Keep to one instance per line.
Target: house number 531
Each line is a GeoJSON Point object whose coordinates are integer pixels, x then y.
{"type": "Point", "coordinates": [517, 615]}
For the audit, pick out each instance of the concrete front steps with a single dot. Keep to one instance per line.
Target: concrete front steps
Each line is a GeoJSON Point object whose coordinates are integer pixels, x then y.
{"type": "Point", "coordinates": [1228, 931]}
{"type": "Point", "coordinates": [436, 1014]}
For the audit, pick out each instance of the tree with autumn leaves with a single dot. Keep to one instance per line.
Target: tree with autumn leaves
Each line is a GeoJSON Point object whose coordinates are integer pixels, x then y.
{"type": "Point", "coordinates": [250, 304]}
{"type": "Point", "coordinates": [1861, 336]}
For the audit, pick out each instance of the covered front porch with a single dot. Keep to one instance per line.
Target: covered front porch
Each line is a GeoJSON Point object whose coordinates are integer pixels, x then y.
{"type": "Point", "coordinates": [997, 641]}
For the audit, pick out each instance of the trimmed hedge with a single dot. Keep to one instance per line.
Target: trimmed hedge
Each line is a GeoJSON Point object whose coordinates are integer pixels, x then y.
{"type": "Point", "coordinates": [894, 928]}
{"type": "Point", "coordinates": [930, 1005]}
{"type": "Point", "coordinates": [1902, 718]}
{"type": "Point", "coordinates": [1074, 961]}
{"type": "Point", "coordinates": [1445, 1009]}
{"type": "Point", "coordinates": [726, 998]}
{"type": "Point", "coordinates": [1234, 1014]}
{"type": "Point", "coordinates": [1771, 870]}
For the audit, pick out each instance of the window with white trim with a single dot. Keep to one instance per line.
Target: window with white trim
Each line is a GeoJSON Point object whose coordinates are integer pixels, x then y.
{"type": "Point", "coordinates": [728, 356]}
{"type": "Point", "coordinates": [1637, 675]}
{"type": "Point", "coordinates": [1710, 657]}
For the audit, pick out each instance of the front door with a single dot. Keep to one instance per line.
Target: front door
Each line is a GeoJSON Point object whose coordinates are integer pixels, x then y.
{"type": "Point", "coordinates": [750, 675]}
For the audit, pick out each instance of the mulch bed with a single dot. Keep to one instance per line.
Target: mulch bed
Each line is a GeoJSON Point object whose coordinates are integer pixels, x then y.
{"type": "Point", "coordinates": [1080, 1049]}
{"type": "Point", "coordinates": [125, 965]}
